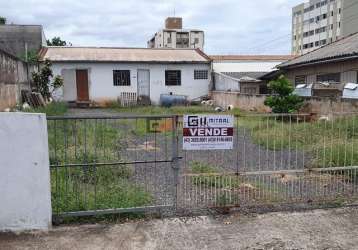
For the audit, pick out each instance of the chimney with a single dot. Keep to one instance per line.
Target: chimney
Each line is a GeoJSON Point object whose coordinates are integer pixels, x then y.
{"type": "Point", "coordinates": [174, 23]}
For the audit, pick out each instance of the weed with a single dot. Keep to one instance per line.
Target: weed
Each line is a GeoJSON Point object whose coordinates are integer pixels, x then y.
{"type": "Point", "coordinates": [52, 109]}
{"type": "Point", "coordinates": [209, 176]}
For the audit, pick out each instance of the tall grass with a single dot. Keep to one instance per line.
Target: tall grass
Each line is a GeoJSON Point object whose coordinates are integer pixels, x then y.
{"type": "Point", "coordinates": [174, 110]}
{"type": "Point", "coordinates": [81, 189]}
{"type": "Point", "coordinates": [86, 186]}
{"type": "Point", "coordinates": [52, 109]}
{"type": "Point", "coordinates": [331, 143]}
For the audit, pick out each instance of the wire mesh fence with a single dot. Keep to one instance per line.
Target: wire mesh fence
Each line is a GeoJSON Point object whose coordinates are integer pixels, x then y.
{"type": "Point", "coordinates": [267, 188]}
{"type": "Point", "coordinates": [276, 159]}
{"type": "Point", "coordinates": [120, 164]}
{"type": "Point", "coordinates": [111, 164]}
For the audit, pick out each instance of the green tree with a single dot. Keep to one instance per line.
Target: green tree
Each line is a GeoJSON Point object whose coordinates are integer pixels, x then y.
{"type": "Point", "coordinates": [283, 100]}
{"type": "Point", "coordinates": [31, 57]}
{"type": "Point", "coordinates": [2, 20]}
{"type": "Point", "coordinates": [57, 41]}
{"type": "Point", "coordinates": [42, 80]}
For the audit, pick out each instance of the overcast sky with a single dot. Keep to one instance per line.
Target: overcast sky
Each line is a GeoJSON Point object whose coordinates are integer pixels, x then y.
{"type": "Point", "coordinates": [231, 26]}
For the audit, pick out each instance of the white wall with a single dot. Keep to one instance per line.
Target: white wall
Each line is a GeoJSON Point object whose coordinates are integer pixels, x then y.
{"type": "Point", "coordinates": [101, 86]}
{"type": "Point", "coordinates": [245, 66]}
{"type": "Point", "coordinates": [226, 83]}
{"type": "Point", "coordinates": [25, 195]}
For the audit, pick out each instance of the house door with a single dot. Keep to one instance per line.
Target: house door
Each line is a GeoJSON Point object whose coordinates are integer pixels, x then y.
{"type": "Point", "coordinates": [82, 85]}
{"type": "Point", "coordinates": [143, 83]}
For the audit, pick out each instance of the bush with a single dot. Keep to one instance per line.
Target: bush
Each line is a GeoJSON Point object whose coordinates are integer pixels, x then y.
{"type": "Point", "coordinates": [283, 100]}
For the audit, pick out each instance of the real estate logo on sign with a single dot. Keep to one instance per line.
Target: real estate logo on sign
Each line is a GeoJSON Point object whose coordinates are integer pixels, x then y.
{"type": "Point", "coordinates": [208, 132]}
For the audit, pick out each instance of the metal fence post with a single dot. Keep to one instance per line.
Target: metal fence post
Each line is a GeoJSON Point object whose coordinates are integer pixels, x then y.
{"type": "Point", "coordinates": [175, 160]}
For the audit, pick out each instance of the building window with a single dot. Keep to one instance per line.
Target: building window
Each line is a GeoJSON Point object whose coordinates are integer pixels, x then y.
{"type": "Point", "coordinates": [173, 77]}
{"type": "Point", "coordinates": [300, 80]}
{"type": "Point", "coordinates": [182, 40]}
{"type": "Point", "coordinates": [200, 74]}
{"type": "Point", "coordinates": [121, 78]}
{"type": "Point", "coordinates": [331, 77]}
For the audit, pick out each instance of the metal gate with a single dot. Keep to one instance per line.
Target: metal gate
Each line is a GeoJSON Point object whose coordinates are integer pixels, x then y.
{"type": "Point", "coordinates": [102, 165]}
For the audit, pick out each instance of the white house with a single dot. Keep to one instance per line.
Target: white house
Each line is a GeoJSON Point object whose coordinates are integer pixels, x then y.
{"type": "Point", "coordinates": [93, 74]}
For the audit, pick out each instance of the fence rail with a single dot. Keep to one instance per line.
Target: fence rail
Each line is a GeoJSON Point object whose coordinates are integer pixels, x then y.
{"type": "Point", "coordinates": [112, 164]}
{"type": "Point", "coordinates": [102, 165]}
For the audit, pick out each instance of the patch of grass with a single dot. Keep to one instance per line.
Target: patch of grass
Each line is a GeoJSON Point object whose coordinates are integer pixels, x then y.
{"type": "Point", "coordinates": [174, 110]}
{"type": "Point", "coordinates": [84, 189]}
{"type": "Point", "coordinates": [52, 109]}
{"type": "Point", "coordinates": [158, 110]}
{"type": "Point", "coordinates": [87, 187]}
{"type": "Point", "coordinates": [83, 141]}
{"type": "Point", "coordinates": [209, 176]}
{"type": "Point", "coordinates": [330, 143]}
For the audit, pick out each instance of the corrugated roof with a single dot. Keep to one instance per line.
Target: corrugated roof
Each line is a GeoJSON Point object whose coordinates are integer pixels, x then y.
{"type": "Point", "coordinates": [340, 49]}
{"type": "Point", "coordinates": [251, 57]}
{"type": "Point", "coordinates": [106, 54]}
{"type": "Point", "coordinates": [239, 75]}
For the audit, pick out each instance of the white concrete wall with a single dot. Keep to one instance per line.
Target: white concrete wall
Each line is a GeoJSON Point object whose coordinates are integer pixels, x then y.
{"type": "Point", "coordinates": [101, 86]}
{"type": "Point", "coordinates": [245, 66]}
{"type": "Point", "coordinates": [25, 195]}
{"type": "Point", "coordinates": [226, 83]}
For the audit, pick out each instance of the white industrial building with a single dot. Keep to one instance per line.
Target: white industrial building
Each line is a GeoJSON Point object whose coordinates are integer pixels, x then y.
{"type": "Point", "coordinates": [93, 74]}
{"type": "Point", "coordinates": [243, 73]}
{"type": "Point", "coordinates": [247, 63]}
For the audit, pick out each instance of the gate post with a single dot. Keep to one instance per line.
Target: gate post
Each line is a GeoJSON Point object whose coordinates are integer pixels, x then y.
{"type": "Point", "coordinates": [175, 159]}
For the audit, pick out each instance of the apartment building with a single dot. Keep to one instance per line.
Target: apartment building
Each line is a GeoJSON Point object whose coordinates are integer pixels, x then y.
{"type": "Point", "coordinates": [320, 22]}
{"type": "Point", "coordinates": [174, 36]}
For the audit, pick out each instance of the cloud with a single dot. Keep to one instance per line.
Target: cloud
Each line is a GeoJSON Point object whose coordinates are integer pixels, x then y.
{"type": "Point", "coordinates": [231, 26]}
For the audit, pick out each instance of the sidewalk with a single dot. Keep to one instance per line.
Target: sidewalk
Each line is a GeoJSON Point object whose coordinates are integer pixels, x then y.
{"type": "Point", "coordinates": [317, 229]}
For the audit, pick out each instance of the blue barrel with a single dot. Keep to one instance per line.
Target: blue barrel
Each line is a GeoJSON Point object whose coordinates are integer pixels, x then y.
{"type": "Point", "coordinates": [172, 100]}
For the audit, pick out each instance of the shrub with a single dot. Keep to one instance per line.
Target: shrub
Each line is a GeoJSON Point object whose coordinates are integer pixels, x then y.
{"type": "Point", "coordinates": [283, 100]}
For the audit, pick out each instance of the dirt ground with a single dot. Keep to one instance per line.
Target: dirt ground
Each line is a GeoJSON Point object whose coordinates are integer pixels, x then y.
{"type": "Point", "coordinates": [315, 229]}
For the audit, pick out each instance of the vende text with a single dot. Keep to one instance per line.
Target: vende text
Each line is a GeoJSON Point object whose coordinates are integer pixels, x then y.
{"type": "Point", "coordinates": [208, 132]}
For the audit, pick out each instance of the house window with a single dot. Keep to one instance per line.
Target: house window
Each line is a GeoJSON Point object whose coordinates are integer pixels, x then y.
{"type": "Point", "coordinates": [331, 77]}
{"type": "Point", "coordinates": [200, 74]}
{"type": "Point", "coordinates": [121, 78]}
{"type": "Point", "coordinates": [300, 80]}
{"type": "Point", "coordinates": [173, 77]}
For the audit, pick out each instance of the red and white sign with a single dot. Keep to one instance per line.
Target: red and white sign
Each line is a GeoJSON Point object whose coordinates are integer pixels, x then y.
{"type": "Point", "coordinates": [208, 132]}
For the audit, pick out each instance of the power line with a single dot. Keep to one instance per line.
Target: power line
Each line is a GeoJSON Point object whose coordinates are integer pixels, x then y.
{"type": "Point", "coordinates": [269, 42]}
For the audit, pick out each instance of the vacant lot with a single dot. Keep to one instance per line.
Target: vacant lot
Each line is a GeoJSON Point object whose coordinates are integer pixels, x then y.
{"type": "Point", "coordinates": [121, 163]}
